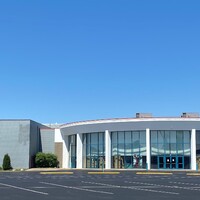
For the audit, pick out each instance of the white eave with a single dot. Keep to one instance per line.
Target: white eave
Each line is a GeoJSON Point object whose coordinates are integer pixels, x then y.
{"type": "Point", "coordinates": [118, 120]}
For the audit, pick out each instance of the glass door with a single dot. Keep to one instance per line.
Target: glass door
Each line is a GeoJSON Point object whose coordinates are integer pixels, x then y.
{"type": "Point", "coordinates": [168, 162]}
{"type": "Point", "coordinates": [180, 162]}
{"type": "Point", "coordinates": [173, 162]}
{"type": "Point", "coordinates": [161, 163]}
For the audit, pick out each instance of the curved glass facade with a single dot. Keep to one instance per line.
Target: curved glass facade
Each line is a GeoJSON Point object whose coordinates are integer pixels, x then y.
{"type": "Point", "coordinates": [128, 149]}
{"type": "Point", "coordinates": [94, 150]}
{"type": "Point", "coordinates": [170, 149]}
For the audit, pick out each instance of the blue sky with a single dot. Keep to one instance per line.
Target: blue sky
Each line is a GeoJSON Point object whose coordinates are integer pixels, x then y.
{"type": "Point", "coordinates": [63, 61]}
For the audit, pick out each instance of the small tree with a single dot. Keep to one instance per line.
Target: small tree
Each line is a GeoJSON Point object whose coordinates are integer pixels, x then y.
{"type": "Point", "coordinates": [6, 162]}
{"type": "Point", "coordinates": [46, 160]}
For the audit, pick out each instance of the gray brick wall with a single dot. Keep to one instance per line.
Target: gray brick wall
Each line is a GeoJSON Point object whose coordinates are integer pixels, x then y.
{"type": "Point", "coordinates": [14, 140]}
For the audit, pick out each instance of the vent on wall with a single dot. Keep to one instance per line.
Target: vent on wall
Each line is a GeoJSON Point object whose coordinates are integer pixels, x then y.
{"type": "Point", "coordinates": [190, 115]}
{"type": "Point", "coordinates": [143, 115]}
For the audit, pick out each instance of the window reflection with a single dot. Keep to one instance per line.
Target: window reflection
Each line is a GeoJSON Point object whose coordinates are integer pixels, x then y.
{"type": "Point", "coordinates": [93, 150]}
{"type": "Point", "coordinates": [128, 149]}
{"type": "Point", "coordinates": [171, 147]}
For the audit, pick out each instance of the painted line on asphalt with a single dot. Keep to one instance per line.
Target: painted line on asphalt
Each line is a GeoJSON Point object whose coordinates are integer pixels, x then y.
{"type": "Point", "coordinates": [154, 173]}
{"type": "Point", "coordinates": [57, 173]}
{"type": "Point", "coordinates": [193, 174]}
{"type": "Point", "coordinates": [165, 186]}
{"type": "Point", "coordinates": [103, 172]}
{"type": "Point", "coordinates": [183, 183]}
{"type": "Point", "coordinates": [24, 189]}
{"type": "Point", "coordinates": [132, 188]}
{"type": "Point", "coordinates": [77, 188]}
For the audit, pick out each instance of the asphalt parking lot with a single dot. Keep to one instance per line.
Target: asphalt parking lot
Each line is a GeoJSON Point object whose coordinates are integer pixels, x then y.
{"type": "Point", "coordinates": [81, 185]}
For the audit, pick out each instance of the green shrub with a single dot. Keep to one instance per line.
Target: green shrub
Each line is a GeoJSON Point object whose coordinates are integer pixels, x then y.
{"type": "Point", "coordinates": [46, 160]}
{"type": "Point", "coordinates": [6, 162]}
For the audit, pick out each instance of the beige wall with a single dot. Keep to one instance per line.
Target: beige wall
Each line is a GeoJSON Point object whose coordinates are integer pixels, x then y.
{"type": "Point", "coordinates": [59, 152]}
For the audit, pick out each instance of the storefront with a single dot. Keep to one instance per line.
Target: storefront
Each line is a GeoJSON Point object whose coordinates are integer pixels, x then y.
{"type": "Point", "coordinates": [135, 143]}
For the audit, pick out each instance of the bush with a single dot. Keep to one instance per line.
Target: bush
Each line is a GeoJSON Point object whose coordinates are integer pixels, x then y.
{"type": "Point", "coordinates": [46, 160]}
{"type": "Point", "coordinates": [6, 162]}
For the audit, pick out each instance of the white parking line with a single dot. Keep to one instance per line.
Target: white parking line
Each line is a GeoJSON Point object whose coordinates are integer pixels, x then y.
{"type": "Point", "coordinates": [190, 184]}
{"type": "Point", "coordinates": [167, 186]}
{"type": "Point", "coordinates": [132, 188]}
{"type": "Point", "coordinates": [77, 188]}
{"type": "Point", "coordinates": [105, 187]}
{"type": "Point", "coordinates": [24, 189]}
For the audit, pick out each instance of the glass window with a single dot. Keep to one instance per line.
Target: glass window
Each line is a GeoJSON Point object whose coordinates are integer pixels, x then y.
{"type": "Point", "coordinates": [135, 136]}
{"type": "Point", "coordinates": [101, 150]}
{"type": "Point", "coordinates": [167, 148]}
{"type": "Point", "coordinates": [173, 148]}
{"type": "Point", "coordinates": [172, 136]}
{"type": "Point", "coordinates": [87, 150]}
{"type": "Point", "coordinates": [114, 149]}
{"type": "Point", "coordinates": [167, 137]}
{"type": "Point", "coordinates": [136, 147]}
{"type": "Point", "coordinates": [127, 137]}
{"type": "Point", "coordinates": [171, 143]}
{"type": "Point", "coordinates": [179, 136]}
{"type": "Point", "coordinates": [142, 137]}
{"type": "Point", "coordinates": [198, 143]}
{"type": "Point", "coordinates": [186, 136]}
{"type": "Point", "coordinates": [101, 138]}
{"type": "Point", "coordinates": [94, 138]}
{"type": "Point", "coordinates": [95, 150]}
{"type": "Point", "coordinates": [120, 137]}
{"type": "Point", "coordinates": [154, 138]}
{"type": "Point", "coordinates": [73, 150]}
{"type": "Point", "coordinates": [198, 137]}
{"type": "Point", "coordinates": [121, 149]}
{"type": "Point", "coordinates": [186, 149]}
{"type": "Point", "coordinates": [161, 149]}
{"type": "Point", "coordinates": [154, 149]}
{"type": "Point", "coordinates": [114, 137]}
{"type": "Point", "coordinates": [128, 149]}
{"type": "Point", "coordinates": [143, 149]}
{"type": "Point", "coordinates": [88, 138]}
{"type": "Point", "coordinates": [161, 136]}
{"type": "Point", "coordinates": [84, 138]}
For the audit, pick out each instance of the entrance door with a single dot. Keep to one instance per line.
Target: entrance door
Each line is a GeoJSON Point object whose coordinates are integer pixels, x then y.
{"type": "Point", "coordinates": [170, 162]}
{"type": "Point", "coordinates": [173, 162]}
{"type": "Point", "coordinates": [161, 163]}
{"type": "Point", "coordinates": [180, 162]}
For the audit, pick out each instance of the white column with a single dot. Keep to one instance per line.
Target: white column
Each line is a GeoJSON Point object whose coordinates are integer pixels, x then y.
{"type": "Point", "coordinates": [65, 154]}
{"type": "Point", "coordinates": [148, 150]}
{"type": "Point", "coordinates": [107, 150]}
{"type": "Point", "coordinates": [79, 151]}
{"type": "Point", "coordinates": [193, 149]}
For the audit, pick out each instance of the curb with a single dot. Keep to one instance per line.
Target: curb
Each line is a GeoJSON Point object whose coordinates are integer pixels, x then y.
{"type": "Point", "coordinates": [193, 174]}
{"type": "Point", "coordinates": [154, 173]}
{"type": "Point", "coordinates": [55, 173]}
{"type": "Point", "coordinates": [116, 173]}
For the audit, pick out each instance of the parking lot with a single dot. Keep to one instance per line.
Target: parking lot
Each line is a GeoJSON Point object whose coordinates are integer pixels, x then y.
{"type": "Point", "coordinates": [81, 185]}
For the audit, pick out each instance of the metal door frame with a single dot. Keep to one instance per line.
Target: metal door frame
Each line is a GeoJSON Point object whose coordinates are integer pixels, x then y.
{"type": "Point", "coordinates": [164, 157]}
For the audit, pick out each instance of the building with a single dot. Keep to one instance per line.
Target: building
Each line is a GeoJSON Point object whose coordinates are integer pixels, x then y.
{"type": "Point", "coordinates": [143, 142]}
{"type": "Point", "coordinates": [22, 139]}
